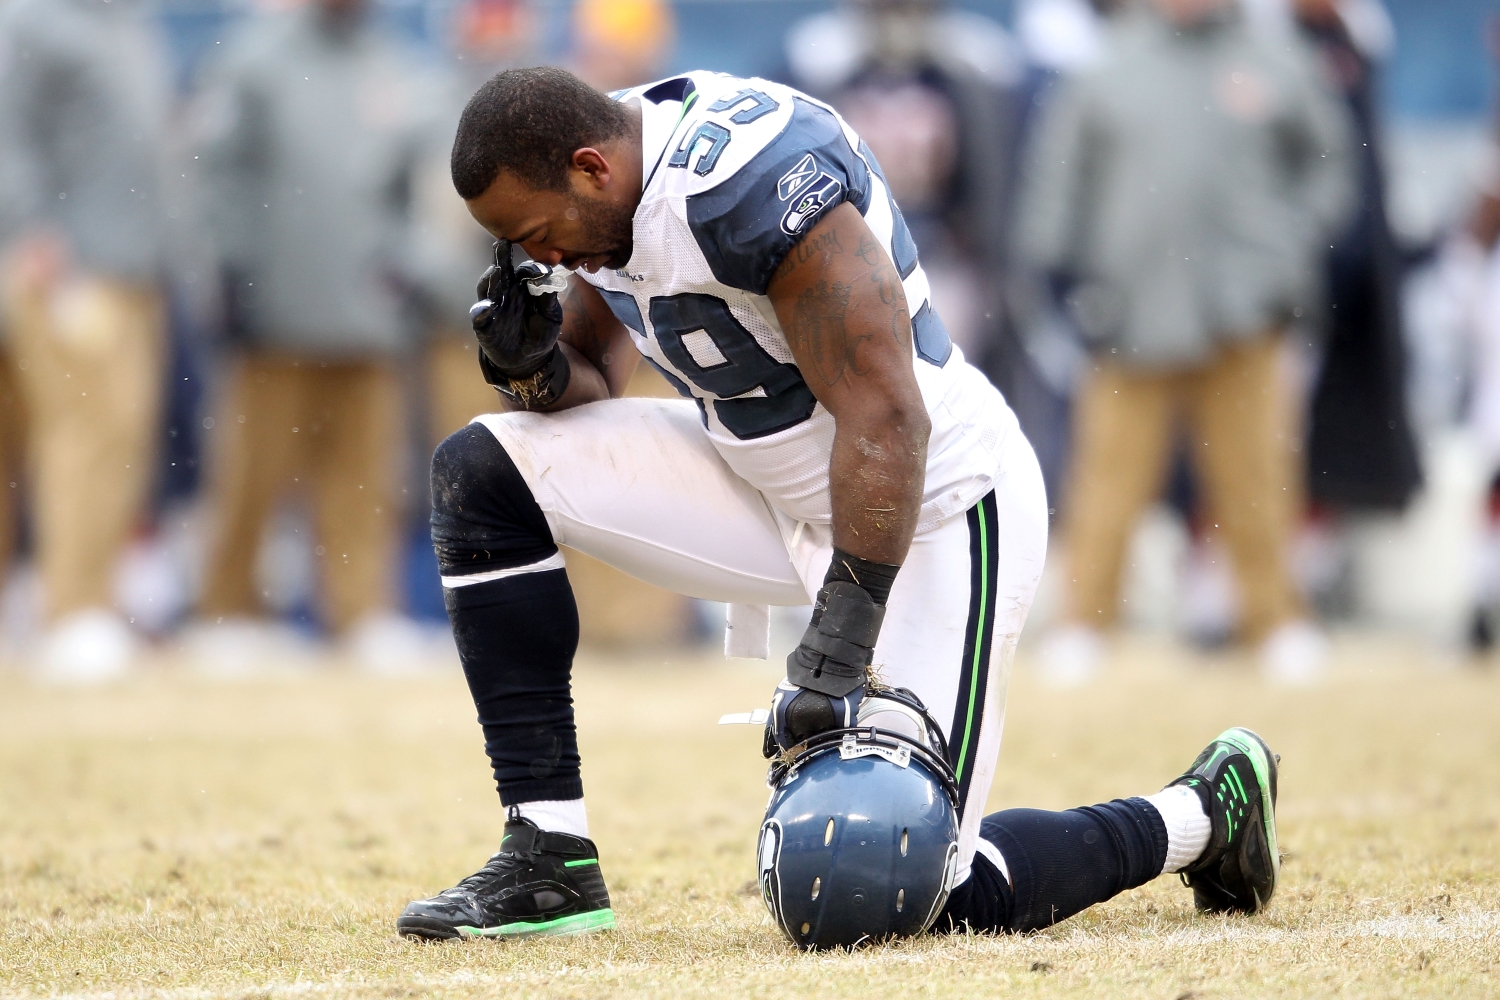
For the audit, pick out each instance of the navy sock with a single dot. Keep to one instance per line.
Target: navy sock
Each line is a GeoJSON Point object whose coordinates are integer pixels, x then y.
{"type": "Point", "coordinates": [516, 635]}
{"type": "Point", "coordinates": [1060, 864]}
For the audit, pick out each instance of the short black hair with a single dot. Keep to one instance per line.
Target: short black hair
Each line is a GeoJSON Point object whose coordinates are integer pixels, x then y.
{"type": "Point", "coordinates": [529, 122]}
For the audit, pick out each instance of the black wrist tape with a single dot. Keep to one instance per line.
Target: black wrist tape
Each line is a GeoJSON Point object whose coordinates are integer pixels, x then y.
{"type": "Point", "coordinates": [836, 649]}
{"type": "Point", "coordinates": [874, 578]}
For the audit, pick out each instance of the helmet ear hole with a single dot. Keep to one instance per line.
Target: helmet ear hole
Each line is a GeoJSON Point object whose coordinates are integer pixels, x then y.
{"type": "Point", "coordinates": [905, 842]}
{"type": "Point", "coordinates": [828, 832]}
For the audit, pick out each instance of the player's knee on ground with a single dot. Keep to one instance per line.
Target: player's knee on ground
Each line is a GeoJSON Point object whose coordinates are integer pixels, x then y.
{"type": "Point", "coordinates": [483, 514]}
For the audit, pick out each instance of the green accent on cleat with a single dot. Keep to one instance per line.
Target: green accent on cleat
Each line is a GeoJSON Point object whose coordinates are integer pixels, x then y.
{"type": "Point", "coordinates": [579, 923]}
{"type": "Point", "coordinates": [1260, 756]}
{"type": "Point", "coordinates": [1239, 868]}
{"type": "Point", "coordinates": [542, 883]}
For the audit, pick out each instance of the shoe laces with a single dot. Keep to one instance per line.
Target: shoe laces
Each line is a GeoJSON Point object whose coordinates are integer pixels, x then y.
{"type": "Point", "coordinates": [499, 864]}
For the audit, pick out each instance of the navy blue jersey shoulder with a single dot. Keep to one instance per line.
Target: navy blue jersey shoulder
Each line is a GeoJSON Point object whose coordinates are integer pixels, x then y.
{"type": "Point", "coordinates": [746, 224]}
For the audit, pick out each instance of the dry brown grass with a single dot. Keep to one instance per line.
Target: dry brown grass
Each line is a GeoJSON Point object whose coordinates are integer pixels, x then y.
{"type": "Point", "coordinates": [176, 837]}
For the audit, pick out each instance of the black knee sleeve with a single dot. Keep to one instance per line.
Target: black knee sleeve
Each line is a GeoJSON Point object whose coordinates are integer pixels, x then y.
{"type": "Point", "coordinates": [483, 514]}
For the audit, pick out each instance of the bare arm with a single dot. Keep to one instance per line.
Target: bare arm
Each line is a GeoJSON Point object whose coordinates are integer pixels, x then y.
{"type": "Point", "coordinates": [600, 353]}
{"type": "Point", "coordinates": [844, 313]}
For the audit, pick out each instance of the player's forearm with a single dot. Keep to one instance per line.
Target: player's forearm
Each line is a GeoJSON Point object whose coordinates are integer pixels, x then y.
{"type": "Point", "coordinates": [586, 384]}
{"type": "Point", "coordinates": [877, 474]}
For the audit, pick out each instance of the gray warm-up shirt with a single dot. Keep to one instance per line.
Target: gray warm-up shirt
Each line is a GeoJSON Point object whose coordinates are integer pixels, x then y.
{"type": "Point", "coordinates": [83, 98]}
{"type": "Point", "coordinates": [310, 135]}
{"type": "Point", "coordinates": [1189, 184]}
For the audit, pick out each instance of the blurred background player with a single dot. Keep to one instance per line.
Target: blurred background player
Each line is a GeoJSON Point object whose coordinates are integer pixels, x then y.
{"type": "Point", "coordinates": [929, 88]}
{"type": "Point", "coordinates": [1036, 358]}
{"type": "Point", "coordinates": [1361, 449]}
{"type": "Point", "coordinates": [83, 97]}
{"type": "Point", "coordinates": [487, 36]}
{"type": "Point", "coordinates": [1182, 189]}
{"type": "Point", "coordinates": [315, 122]}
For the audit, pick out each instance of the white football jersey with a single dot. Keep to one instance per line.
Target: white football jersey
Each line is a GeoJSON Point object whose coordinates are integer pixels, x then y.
{"type": "Point", "coordinates": [735, 171]}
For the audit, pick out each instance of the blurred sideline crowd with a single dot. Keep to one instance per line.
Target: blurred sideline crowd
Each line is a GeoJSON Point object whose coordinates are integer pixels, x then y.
{"type": "Point", "coordinates": [233, 317]}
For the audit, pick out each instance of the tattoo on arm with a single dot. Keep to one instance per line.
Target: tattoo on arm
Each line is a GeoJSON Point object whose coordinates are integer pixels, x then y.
{"type": "Point", "coordinates": [812, 247]}
{"type": "Point", "coordinates": [822, 312]}
{"type": "Point", "coordinates": [822, 321]}
{"type": "Point", "coordinates": [894, 297]}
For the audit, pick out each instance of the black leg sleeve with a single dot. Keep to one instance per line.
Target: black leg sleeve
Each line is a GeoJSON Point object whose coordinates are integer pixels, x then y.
{"type": "Point", "coordinates": [1060, 864]}
{"type": "Point", "coordinates": [516, 634]}
{"type": "Point", "coordinates": [516, 638]}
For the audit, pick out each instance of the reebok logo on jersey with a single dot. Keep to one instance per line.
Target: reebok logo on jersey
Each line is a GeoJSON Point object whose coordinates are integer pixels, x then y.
{"type": "Point", "coordinates": [796, 179]}
{"type": "Point", "coordinates": [820, 194]}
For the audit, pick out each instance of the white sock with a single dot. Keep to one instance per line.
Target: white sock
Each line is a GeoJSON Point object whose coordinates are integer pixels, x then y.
{"type": "Point", "coordinates": [993, 855]}
{"type": "Point", "coordinates": [1188, 826]}
{"type": "Point", "coordinates": [558, 815]}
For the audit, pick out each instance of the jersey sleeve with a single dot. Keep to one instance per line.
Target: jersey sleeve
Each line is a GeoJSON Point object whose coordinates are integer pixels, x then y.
{"type": "Point", "coordinates": [746, 224]}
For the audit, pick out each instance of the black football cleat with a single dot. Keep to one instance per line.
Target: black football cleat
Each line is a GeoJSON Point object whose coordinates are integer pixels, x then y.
{"type": "Point", "coordinates": [1235, 777]}
{"type": "Point", "coordinates": [539, 883]}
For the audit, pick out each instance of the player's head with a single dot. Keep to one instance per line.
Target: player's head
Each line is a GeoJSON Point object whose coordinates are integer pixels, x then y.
{"type": "Point", "coordinates": [546, 161]}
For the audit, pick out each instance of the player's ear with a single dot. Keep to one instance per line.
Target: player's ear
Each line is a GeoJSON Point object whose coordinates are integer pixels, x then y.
{"type": "Point", "coordinates": [593, 166]}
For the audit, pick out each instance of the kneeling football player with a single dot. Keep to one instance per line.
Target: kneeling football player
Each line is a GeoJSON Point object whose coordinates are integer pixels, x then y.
{"type": "Point", "coordinates": [831, 446]}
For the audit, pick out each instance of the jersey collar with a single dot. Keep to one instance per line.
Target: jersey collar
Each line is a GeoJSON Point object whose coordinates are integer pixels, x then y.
{"type": "Point", "coordinates": [663, 106]}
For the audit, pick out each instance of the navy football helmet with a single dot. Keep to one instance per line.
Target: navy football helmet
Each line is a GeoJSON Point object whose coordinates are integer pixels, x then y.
{"type": "Point", "coordinates": [860, 839]}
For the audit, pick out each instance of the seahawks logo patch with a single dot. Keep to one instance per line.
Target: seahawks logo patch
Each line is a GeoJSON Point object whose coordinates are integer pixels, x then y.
{"type": "Point", "coordinates": [816, 197]}
{"type": "Point", "coordinates": [796, 179]}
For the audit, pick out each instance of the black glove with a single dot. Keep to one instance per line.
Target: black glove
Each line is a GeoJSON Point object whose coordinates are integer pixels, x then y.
{"type": "Point", "coordinates": [517, 325]}
{"type": "Point", "coordinates": [798, 713]}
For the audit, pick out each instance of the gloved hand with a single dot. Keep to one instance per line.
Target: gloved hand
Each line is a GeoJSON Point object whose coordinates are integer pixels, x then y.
{"type": "Point", "coordinates": [518, 317]}
{"type": "Point", "coordinates": [827, 671]}
{"type": "Point", "coordinates": [798, 713]}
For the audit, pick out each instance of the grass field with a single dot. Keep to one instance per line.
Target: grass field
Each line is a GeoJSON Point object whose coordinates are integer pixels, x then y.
{"type": "Point", "coordinates": [181, 838]}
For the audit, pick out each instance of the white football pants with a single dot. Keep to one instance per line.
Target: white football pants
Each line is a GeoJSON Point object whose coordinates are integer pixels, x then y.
{"type": "Point", "coordinates": [636, 484]}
